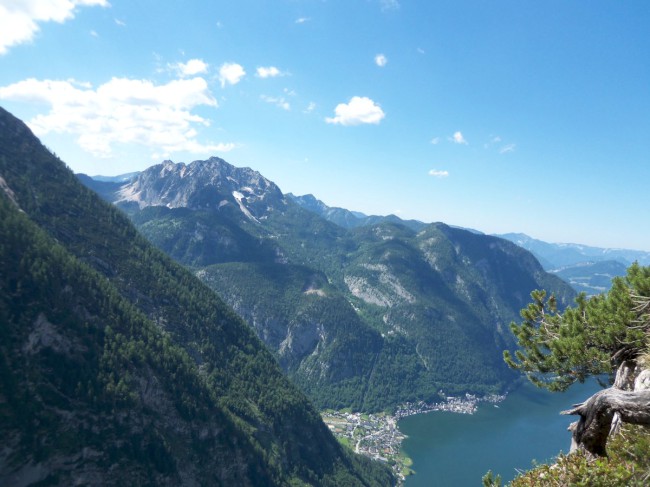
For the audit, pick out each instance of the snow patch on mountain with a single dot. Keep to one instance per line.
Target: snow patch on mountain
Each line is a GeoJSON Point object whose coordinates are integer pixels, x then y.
{"type": "Point", "coordinates": [240, 201]}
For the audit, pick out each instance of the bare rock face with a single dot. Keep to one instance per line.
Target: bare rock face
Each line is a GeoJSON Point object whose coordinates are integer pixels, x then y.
{"type": "Point", "coordinates": [45, 335]}
{"type": "Point", "coordinates": [4, 187]}
{"type": "Point", "coordinates": [213, 184]}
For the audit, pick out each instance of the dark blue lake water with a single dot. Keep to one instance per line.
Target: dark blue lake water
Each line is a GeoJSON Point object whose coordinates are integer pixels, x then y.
{"type": "Point", "coordinates": [455, 450]}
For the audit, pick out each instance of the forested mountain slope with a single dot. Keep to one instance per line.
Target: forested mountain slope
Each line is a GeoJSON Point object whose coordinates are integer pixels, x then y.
{"type": "Point", "coordinates": [119, 367]}
{"type": "Point", "coordinates": [368, 317]}
{"type": "Point", "coordinates": [346, 218]}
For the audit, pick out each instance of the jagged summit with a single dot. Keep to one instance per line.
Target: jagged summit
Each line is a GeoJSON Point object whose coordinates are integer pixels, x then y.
{"type": "Point", "coordinates": [209, 184]}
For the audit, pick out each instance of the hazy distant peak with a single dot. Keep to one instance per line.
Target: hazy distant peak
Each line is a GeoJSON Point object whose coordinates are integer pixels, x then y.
{"type": "Point", "coordinates": [559, 255]}
{"type": "Point", "coordinates": [120, 178]}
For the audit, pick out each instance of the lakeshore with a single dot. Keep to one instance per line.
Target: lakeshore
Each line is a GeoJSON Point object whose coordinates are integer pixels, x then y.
{"type": "Point", "coordinates": [467, 404]}
{"type": "Point", "coordinates": [453, 450]}
{"type": "Point", "coordinates": [378, 436]}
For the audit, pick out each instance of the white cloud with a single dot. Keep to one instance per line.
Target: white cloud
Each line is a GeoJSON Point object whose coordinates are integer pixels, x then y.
{"type": "Point", "coordinates": [435, 140]}
{"type": "Point", "coordinates": [19, 19]}
{"type": "Point", "coordinates": [389, 4]}
{"type": "Point", "coordinates": [231, 74]}
{"type": "Point", "coordinates": [438, 174]}
{"type": "Point", "coordinates": [190, 68]}
{"type": "Point", "coordinates": [358, 111]}
{"type": "Point", "coordinates": [120, 111]}
{"type": "Point", "coordinates": [94, 33]}
{"type": "Point", "coordinates": [277, 101]}
{"type": "Point", "coordinates": [302, 20]}
{"type": "Point", "coordinates": [458, 138]}
{"type": "Point", "coordinates": [310, 107]}
{"type": "Point", "coordinates": [494, 139]}
{"type": "Point", "coordinates": [119, 22]}
{"type": "Point", "coordinates": [507, 148]}
{"type": "Point", "coordinates": [194, 147]}
{"type": "Point", "coordinates": [268, 72]}
{"type": "Point", "coordinates": [380, 60]}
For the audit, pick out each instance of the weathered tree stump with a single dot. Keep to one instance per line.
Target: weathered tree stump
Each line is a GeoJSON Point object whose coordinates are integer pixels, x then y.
{"type": "Point", "coordinates": [591, 431]}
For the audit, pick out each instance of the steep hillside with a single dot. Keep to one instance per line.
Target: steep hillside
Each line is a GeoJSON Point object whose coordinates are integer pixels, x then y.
{"type": "Point", "coordinates": [118, 367]}
{"type": "Point", "coordinates": [368, 317]}
{"type": "Point", "coordinates": [346, 218]}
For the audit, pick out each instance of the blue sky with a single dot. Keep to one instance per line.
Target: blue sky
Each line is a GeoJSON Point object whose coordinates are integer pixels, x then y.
{"type": "Point", "coordinates": [513, 115]}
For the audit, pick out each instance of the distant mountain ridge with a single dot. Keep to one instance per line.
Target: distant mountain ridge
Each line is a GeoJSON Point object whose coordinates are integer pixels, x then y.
{"type": "Point", "coordinates": [592, 277]}
{"type": "Point", "coordinates": [349, 219]}
{"type": "Point", "coordinates": [556, 255]}
{"type": "Point", "coordinates": [364, 316]}
{"type": "Point", "coordinates": [587, 269]}
{"type": "Point", "coordinates": [120, 178]}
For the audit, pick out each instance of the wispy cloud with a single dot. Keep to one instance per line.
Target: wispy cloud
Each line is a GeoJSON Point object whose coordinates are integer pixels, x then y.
{"type": "Point", "coordinates": [277, 101]}
{"type": "Point", "coordinates": [119, 22]}
{"type": "Point", "coordinates": [302, 20]}
{"type": "Point", "coordinates": [435, 140]}
{"type": "Point", "coordinates": [19, 21]}
{"type": "Point", "coordinates": [231, 74]}
{"type": "Point", "coordinates": [497, 141]}
{"type": "Point", "coordinates": [190, 68]}
{"type": "Point", "coordinates": [438, 174]}
{"type": "Point", "coordinates": [381, 60]}
{"type": "Point", "coordinates": [359, 110]}
{"type": "Point", "coordinates": [310, 107]}
{"type": "Point", "coordinates": [268, 72]}
{"type": "Point", "coordinates": [458, 138]}
{"type": "Point", "coordinates": [389, 4]}
{"type": "Point", "coordinates": [121, 111]}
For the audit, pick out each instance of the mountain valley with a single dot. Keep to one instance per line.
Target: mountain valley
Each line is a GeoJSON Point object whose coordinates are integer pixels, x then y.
{"type": "Point", "coordinates": [365, 316]}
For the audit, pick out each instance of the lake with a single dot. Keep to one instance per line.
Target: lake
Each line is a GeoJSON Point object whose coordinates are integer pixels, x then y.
{"type": "Point", "coordinates": [455, 450]}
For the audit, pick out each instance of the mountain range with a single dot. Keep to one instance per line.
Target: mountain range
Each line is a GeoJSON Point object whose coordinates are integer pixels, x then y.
{"type": "Point", "coordinates": [587, 269]}
{"type": "Point", "coordinates": [366, 316]}
{"type": "Point", "coordinates": [119, 367]}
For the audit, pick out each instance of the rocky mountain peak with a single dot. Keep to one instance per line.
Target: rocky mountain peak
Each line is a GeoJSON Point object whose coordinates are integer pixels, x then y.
{"type": "Point", "coordinates": [209, 184]}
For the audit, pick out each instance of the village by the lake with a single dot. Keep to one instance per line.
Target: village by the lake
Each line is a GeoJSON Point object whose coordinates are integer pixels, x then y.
{"type": "Point", "coordinates": [378, 436]}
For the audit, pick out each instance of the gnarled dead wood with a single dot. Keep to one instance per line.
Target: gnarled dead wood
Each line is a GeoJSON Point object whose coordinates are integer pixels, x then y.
{"type": "Point", "coordinates": [596, 413]}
